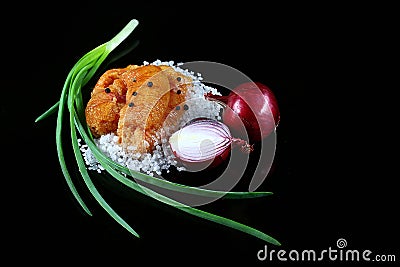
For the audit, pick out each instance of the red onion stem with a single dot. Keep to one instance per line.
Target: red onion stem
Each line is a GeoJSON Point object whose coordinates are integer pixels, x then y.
{"type": "Point", "coordinates": [244, 146]}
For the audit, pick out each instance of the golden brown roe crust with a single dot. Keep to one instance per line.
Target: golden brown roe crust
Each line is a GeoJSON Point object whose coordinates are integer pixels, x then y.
{"type": "Point", "coordinates": [133, 103]}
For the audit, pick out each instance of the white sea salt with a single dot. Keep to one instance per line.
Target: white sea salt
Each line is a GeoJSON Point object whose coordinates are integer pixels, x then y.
{"type": "Point", "coordinates": [161, 158]}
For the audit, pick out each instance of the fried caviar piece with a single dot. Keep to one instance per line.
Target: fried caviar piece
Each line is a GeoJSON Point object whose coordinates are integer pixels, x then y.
{"type": "Point", "coordinates": [134, 102]}
{"type": "Point", "coordinates": [107, 99]}
{"type": "Point", "coordinates": [147, 102]}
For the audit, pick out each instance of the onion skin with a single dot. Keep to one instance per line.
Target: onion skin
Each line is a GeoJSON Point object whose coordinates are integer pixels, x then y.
{"type": "Point", "coordinates": [206, 165]}
{"type": "Point", "coordinates": [260, 120]}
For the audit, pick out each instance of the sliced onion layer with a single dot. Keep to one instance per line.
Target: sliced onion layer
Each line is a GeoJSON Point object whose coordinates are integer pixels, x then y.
{"type": "Point", "coordinates": [201, 141]}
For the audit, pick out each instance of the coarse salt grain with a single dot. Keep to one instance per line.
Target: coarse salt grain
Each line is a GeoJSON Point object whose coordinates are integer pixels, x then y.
{"type": "Point", "coordinates": [161, 158]}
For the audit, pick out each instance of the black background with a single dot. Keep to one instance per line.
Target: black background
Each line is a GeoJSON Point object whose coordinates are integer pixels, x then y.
{"type": "Point", "coordinates": [331, 177]}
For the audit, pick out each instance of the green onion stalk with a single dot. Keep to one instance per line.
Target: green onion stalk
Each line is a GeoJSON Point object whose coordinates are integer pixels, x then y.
{"type": "Point", "coordinates": [71, 103]}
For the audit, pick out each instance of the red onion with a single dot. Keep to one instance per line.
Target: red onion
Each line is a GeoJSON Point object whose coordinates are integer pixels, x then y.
{"type": "Point", "coordinates": [204, 143]}
{"type": "Point", "coordinates": [259, 120]}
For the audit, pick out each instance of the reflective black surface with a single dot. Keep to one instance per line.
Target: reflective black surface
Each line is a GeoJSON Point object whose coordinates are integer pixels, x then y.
{"type": "Point", "coordinates": [325, 177]}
